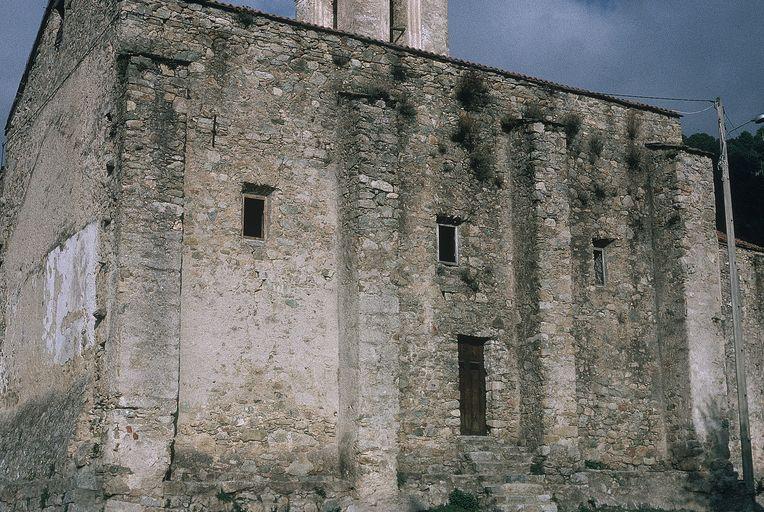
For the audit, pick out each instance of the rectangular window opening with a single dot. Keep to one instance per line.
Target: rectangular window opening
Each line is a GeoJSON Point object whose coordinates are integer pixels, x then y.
{"type": "Point", "coordinates": [472, 386]}
{"type": "Point", "coordinates": [254, 212]}
{"type": "Point", "coordinates": [335, 13]}
{"type": "Point", "coordinates": [392, 21]}
{"type": "Point", "coordinates": [448, 244]}
{"type": "Point", "coordinates": [600, 261]}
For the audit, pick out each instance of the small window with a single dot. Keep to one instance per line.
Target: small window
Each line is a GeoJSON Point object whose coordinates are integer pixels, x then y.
{"type": "Point", "coordinates": [448, 243]}
{"type": "Point", "coordinates": [254, 213]}
{"type": "Point", "coordinates": [600, 261]}
{"type": "Point", "coordinates": [335, 13]}
{"type": "Point", "coordinates": [392, 21]}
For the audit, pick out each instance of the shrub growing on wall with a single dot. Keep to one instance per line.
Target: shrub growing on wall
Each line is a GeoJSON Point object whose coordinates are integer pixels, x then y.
{"type": "Point", "coordinates": [472, 92]}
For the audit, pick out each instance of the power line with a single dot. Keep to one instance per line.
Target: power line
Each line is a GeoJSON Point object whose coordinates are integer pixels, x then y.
{"type": "Point", "coordinates": [693, 113]}
{"type": "Point", "coordinates": [696, 100]}
{"type": "Point", "coordinates": [732, 125]}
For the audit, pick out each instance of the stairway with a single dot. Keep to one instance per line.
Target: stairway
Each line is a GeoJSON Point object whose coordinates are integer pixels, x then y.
{"type": "Point", "coordinates": [504, 471]}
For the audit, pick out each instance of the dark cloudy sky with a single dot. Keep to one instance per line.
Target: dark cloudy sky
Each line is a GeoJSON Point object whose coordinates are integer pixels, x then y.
{"type": "Point", "coordinates": [676, 48]}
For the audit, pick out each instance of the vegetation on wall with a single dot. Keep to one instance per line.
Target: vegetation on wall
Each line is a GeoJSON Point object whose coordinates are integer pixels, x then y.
{"type": "Point", "coordinates": [468, 135]}
{"type": "Point", "coordinates": [230, 500]}
{"type": "Point", "coordinates": [470, 278]}
{"type": "Point", "coordinates": [633, 126]}
{"type": "Point", "coordinates": [471, 133]}
{"type": "Point", "coordinates": [534, 112]}
{"type": "Point", "coordinates": [459, 501]}
{"type": "Point", "coordinates": [406, 107]}
{"type": "Point", "coordinates": [572, 124]}
{"type": "Point", "coordinates": [509, 123]}
{"type": "Point", "coordinates": [633, 157]}
{"type": "Point", "coordinates": [594, 464]}
{"type": "Point", "coordinates": [746, 160]}
{"type": "Point", "coordinates": [399, 72]}
{"type": "Point", "coordinates": [247, 19]}
{"type": "Point", "coordinates": [472, 92]}
{"type": "Point", "coordinates": [596, 146]}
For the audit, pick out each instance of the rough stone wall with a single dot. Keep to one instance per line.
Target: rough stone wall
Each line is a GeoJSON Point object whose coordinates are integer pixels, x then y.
{"type": "Point", "coordinates": [368, 422]}
{"type": "Point", "coordinates": [620, 403]}
{"type": "Point", "coordinates": [57, 260]}
{"type": "Point", "coordinates": [142, 354]}
{"type": "Point", "coordinates": [751, 272]}
{"type": "Point", "coordinates": [688, 309]}
{"type": "Point", "coordinates": [258, 394]}
{"type": "Point", "coordinates": [318, 369]}
{"type": "Point", "coordinates": [439, 303]}
{"type": "Point", "coordinates": [265, 104]}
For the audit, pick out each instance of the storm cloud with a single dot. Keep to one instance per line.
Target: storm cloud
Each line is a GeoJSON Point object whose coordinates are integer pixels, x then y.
{"type": "Point", "coordinates": [675, 48]}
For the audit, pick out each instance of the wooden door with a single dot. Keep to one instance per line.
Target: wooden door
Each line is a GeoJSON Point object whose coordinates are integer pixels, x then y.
{"type": "Point", "coordinates": [472, 386]}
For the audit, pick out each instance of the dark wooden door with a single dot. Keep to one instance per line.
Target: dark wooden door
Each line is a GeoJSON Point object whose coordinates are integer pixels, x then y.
{"type": "Point", "coordinates": [472, 386]}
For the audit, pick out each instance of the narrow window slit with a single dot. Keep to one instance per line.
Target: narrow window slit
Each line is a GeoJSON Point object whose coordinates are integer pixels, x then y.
{"type": "Point", "coordinates": [392, 21]}
{"type": "Point", "coordinates": [600, 260]}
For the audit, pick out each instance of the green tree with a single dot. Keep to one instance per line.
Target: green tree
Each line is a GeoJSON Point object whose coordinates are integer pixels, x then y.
{"type": "Point", "coordinates": [746, 160]}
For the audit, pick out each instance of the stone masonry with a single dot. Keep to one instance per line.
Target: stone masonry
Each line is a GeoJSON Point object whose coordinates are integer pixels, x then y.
{"type": "Point", "coordinates": [154, 358]}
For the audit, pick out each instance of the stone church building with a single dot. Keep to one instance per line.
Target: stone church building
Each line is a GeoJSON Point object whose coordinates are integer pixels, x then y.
{"type": "Point", "coordinates": [263, 264]}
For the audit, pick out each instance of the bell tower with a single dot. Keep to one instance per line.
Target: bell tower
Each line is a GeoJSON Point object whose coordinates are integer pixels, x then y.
{"type": "Point", "coordinates": [421, 24]}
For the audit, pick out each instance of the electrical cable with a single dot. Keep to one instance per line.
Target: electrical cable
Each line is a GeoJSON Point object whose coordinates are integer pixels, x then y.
{"type": "Point", "coordinates": [697, 100]}
{"type": "Point", "coordinates": [693, 113]}
{"type": "Point", "coordinates": [732, 125]}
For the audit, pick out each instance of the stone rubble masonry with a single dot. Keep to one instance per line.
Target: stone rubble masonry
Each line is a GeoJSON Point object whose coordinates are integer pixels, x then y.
{"type": "Point", "coordinates": [751, 271]}
{"type": "Point", "coordinates": [318, 370]}
{"type": "Point", "coordinates": [143, 354]}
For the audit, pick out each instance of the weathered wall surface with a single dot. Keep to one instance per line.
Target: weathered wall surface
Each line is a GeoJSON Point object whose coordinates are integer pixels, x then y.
{"type": "Point", "coordinates": [751, 272]}
{"type": "Point", "coordinates": [70, 295]}
{"type": "Point", "coordinates": [265, 101]}
{"type": "Point", "coordinates": [56, 259]}
{"type": "Point", "coordinates": [319, 368]}
{"type": "Point", "coordinates": [620, 406]}
{"type": "Point", "coordinates": [142, 354]}
{"type": "Point", "coordinates": [421, 24]}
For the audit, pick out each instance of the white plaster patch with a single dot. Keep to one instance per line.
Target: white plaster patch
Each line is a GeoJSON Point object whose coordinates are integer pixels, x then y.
{"type": "Point", "coordinates": [70, 295]}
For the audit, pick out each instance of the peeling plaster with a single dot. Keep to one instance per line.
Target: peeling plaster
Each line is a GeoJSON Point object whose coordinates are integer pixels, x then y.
{"type": "Point", "coordinates": [70, 295]}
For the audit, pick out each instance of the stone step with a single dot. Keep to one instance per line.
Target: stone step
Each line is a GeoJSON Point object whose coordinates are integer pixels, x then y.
{"type": "Point", "coordinates": [483, 456]}
{"type": "Point", "coordinates": [525, 489]}
{"type": "Point", "coordinates": [526, 507]}
{"type": "Point", "coordinates": [461, 481]}
{"type": "Point", "coordinates": [501, 468]}
{"type": "Point", "coordinates": [538, 500]}
{"type": "Point", "coordinates": [496, 480]}
{"type": "Point", "coordinates": [524, 478]}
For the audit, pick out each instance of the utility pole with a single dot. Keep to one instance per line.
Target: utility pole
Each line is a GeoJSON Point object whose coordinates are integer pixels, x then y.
{"type": "Point", "coordinates": [737, 328]}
